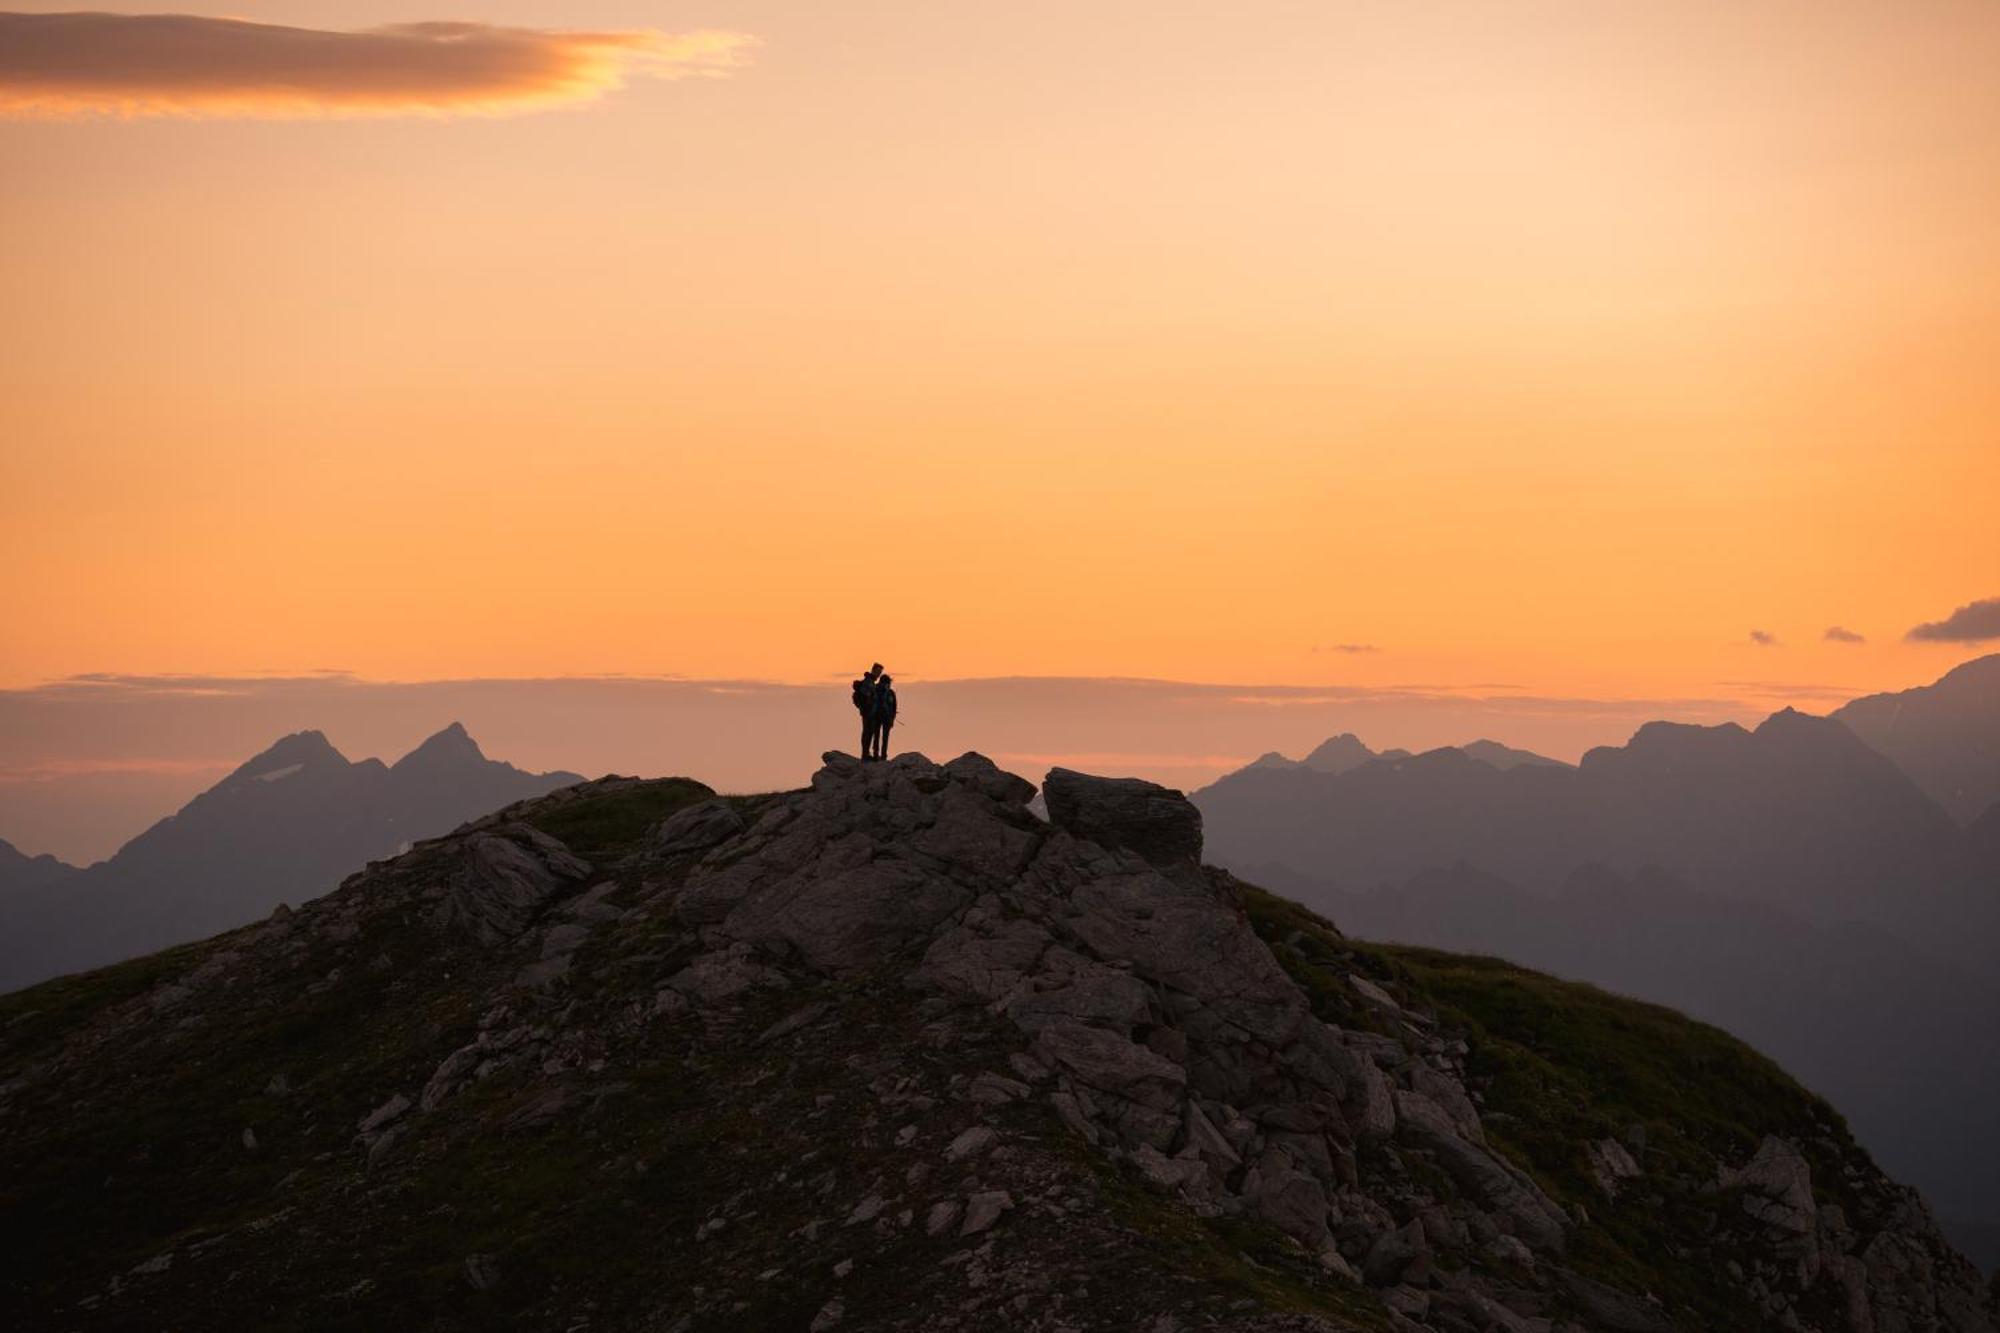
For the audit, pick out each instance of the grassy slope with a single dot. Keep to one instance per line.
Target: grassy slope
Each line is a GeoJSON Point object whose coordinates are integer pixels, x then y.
{"type": "Point", "coordinates": [1562, 1064]}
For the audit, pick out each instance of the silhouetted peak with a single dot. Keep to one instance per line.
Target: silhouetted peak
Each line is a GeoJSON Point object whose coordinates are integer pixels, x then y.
{"type": "Point", "coordinates": [1797, 731]}
{"type": "Point", "coordinates": [1506, 756]}
{"type": "Point", "coordinates": [1272, 759]}
{"type": "Point", "coordinates": [451, 748]}
{"type": "Point", "coordinates": [1339, 753]}
{"type": "Point", "coordinates": [301, 749]}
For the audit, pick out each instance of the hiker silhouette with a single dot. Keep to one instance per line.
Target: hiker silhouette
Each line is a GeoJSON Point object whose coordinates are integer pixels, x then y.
{"type": "Point", "coordinates": [885, 715]}
{"type": "Point", "coordinates": [864, 704]}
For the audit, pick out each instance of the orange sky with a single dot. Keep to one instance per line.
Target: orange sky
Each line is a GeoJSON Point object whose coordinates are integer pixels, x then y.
{"type": "Point", "coordinates": [1554, 345]}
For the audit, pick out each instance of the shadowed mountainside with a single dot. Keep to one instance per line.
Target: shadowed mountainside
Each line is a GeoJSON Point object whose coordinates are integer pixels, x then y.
{"type": "Point", "coordinates": [891, 1053]}
{"type": "Point", "coordinates": [285, 826]}
{"type": "Point", "coordinates": [1945, 735]}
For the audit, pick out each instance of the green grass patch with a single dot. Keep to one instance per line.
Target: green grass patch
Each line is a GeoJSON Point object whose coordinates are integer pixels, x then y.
{"type": "Point", "coordinates": [607, 825]}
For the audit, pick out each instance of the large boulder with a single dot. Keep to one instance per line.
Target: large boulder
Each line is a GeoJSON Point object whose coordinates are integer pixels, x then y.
{"type": "Point", "coordinates": [1157, 822]}
{"type": "Point", "coordinates": [505, 878]}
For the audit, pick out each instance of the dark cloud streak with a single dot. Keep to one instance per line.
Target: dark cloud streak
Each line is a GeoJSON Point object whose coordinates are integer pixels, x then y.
{"type": "Point", "coordinates": [84, 64]}
{"type": "Point", "coordinates": [1975, 622]}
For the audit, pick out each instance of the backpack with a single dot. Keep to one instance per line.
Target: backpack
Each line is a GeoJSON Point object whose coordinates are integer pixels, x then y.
{"type": "Point", "coordinates": [864, 697]}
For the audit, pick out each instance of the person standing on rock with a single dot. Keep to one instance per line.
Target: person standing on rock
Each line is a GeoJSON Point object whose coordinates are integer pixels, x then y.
{"type": "Point", "coordinates": [864, 704]}
{"type": "Point", "coordinates": [885, 716]}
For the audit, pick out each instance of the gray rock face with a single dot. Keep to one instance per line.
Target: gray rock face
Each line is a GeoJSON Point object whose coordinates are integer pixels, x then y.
{"type": "Point", "coordinates": [696, 828]}
{"type": "Point", "coordinates": [505, 879]}
{"type": "Point", "coordinates": [1157, 822]}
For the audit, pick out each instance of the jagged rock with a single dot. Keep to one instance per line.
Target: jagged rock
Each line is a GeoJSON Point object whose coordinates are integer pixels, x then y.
{"type": "Point", "coordinates": [802, 1017]}
{"type": "Point", "coordinates": [990, 780]}
{"type": "Point", "coordinates": [983, 957]}
{"type": "Point", "coordinates": [1289, 1199]}
{"type": "Point", "coordinates": [1171, 1174]}
{"type": "Point", "coordinates": [724, 975]}
{"type": "Point", "coordinates": [983, 1209]}
{"type": "Point", "coordinates": [1373, 993]}
{"type": "Point", "coordinates": [695, 828]}
{"type": "Point", "coordinates": [1527, 1211]}
{"type": "Point", "coordinates": [1157, 822]}
{"type": "Point", "coordinates": [970, 1143]}
{"type": "Point", "coordinates": [1393, 1253]}
{"type": "Point", "coordinates": [991, 1089]}
{"type": "Point", "coordinates": [1110, 1063]}
{"type": "Point", "coordinates": [1611, 1164]}
{"type": "Point", "coordinates": [504, 880]}
{"type": "Point", "coordinates": [943, 1216]}
{"type": "Point", "coordinates": [451, 1072]}
{"type": "Point", "coordinates": [383, 1114]}
{"type": "Point", "coordinates": [1777, 1187]}
{"type": "Point", "coordinates": [1074, 989]}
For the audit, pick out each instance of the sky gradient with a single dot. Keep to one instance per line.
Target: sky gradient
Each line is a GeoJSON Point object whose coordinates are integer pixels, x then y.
{"type": "Point", "coordinates": [1605, 352]}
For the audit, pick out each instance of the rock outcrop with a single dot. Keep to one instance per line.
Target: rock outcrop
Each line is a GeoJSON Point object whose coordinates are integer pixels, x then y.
{"type": "Point", "coordinates": [893, 1053]}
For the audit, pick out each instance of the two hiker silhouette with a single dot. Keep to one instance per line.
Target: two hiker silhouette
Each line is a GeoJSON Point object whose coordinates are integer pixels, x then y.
{"type": "Point", "coordinates": [876, 702]}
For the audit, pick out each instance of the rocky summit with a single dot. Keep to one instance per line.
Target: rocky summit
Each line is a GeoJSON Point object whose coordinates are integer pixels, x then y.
{"type": "Point", "coordinates": [893, 1053]}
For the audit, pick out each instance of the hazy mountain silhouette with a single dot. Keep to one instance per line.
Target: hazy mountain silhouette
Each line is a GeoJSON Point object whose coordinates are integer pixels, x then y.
{"type": "Point", "coordinates": [18, 870]}
{"type": "Point", "coordinates": [1338, 754]}
{"type": "Point", "coordinates": [1506, 756]}
{"type": "Point", "coordinates": [1946, 735]}
{"type": "Point", "coordinates": [287, 825]}
{"type": "Point", "coordinates": [1347, 752]}
{"type": "Point", "coordinates": [1798, 813]}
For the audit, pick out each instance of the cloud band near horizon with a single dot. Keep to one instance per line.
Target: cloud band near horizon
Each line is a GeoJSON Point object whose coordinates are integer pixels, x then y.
{"type": "Point", "coordinates": [137, 65]}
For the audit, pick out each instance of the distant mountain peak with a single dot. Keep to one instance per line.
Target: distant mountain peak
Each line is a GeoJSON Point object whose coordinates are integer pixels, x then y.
{"type": "Point", "coordinates": [301, 749]}
{"type": "Point", "coordinates": [451, 747]}
{"type": "Point", "coordinates": [1506, 756]}
{"type": "Point", "coordinates": [1339, 753]}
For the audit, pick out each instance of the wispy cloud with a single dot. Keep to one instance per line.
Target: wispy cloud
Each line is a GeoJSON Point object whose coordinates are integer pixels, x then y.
{"type": "Point", "coordinates": [54, 769]}
{"type": "Point", "coordinates": [1345, 648]}
{"type": "Point", "coordinates": [1975, 622]}
{"type": "Point", "coordinates": [1841, 634]}
{"type": "Point", "coordinates": [88, 64]}
{"type": "Point", "coordinates": [1763, 638]}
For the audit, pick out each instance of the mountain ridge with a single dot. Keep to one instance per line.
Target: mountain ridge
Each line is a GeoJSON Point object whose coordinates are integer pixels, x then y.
{"type": "Point", "coordinates": [892, 1053]}
{"type": "Point", "coordinates": [287, 823]}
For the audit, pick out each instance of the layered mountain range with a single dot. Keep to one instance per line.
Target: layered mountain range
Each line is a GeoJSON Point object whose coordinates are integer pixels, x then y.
{"type": "Point", "coordinates": [287, 825]}
{"type": "Point", "coordinates": [1790, 881]}
{"type": "Point", "coordinates": [892, 1053]}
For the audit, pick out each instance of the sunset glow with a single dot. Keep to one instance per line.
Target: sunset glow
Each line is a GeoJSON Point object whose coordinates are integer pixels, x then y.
{"type": "Point", "coordinates": [1561, 347]}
